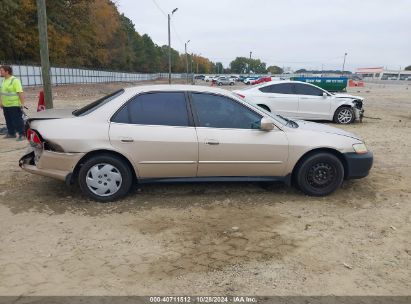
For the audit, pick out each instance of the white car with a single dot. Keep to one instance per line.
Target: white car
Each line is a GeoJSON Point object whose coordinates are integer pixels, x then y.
{"type": "Point", "coordinates": [208, 78]}
{"type": "Point", "coordinates": [300, 100]}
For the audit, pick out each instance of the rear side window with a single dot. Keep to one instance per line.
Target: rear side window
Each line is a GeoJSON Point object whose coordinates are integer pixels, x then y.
{"type": "Point", "coordinates": [97, 104]}
{"type": "Point", "coordinates": [305, 89]}
{"type": "Point", "coordinates": [282, 88]}
{"type": "Point", "coordinates": [162, 108]}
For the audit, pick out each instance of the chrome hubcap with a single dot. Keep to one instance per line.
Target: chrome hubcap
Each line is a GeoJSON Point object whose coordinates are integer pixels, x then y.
{"type": "Point", "coordinates": [103, 179]}
{"type": "Point", "coordinates": [345, 116]}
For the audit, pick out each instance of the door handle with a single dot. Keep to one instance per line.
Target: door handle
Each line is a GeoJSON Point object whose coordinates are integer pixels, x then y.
{"type": "Point", "coordinates": [126, 139]}
{"type": "Point", "coordinates": [212, 142]}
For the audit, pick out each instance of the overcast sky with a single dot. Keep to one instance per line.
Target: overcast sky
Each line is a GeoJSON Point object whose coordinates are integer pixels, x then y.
{"type": "Point", "coordinates": [289, 33]}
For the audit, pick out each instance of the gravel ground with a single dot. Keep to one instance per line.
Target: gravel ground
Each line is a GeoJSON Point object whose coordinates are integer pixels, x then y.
{"type": "Point", "coordinates": [214, 239]}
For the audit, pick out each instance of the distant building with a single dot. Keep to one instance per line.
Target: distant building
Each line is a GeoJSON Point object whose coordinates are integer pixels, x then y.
{"type": "Point", "coordinates": [382, 74]}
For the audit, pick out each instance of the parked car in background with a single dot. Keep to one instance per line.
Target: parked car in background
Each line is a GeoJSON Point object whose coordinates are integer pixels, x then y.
{"type": "Point", "coordinates": [301, 100]}
{"type": "Point", "coordinates": [223, 80]}
{"type": "Point", "coordinates": [208, 78]}
{"type": "Point", "coordinates": [261, 80]}
{"type": "Point", "coordinates": [234, 77]}
{"type": "Point", "coordinates": [187, 133]}
{"type": "Point", "coordinates": [248, 80]}
{"type": "Point", "coordinates": [241, 78]}
{"type": "Point", "coordinates": [201, 77]}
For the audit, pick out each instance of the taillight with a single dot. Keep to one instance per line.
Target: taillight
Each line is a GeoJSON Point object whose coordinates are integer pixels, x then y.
{"type": "Point", "coordinates": [33, 137]}
{"type": "Point", "coordinates": [242, 96]}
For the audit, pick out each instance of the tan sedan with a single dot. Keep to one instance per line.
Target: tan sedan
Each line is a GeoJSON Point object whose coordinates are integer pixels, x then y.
{"type": "Point", "coordinates": [187, 133]}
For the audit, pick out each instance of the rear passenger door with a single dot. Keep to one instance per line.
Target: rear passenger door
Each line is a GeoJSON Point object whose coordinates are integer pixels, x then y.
{"type": "Point", "coordinates": [157, 132]}
{"type": "Point", "coordinates": [280, 98]}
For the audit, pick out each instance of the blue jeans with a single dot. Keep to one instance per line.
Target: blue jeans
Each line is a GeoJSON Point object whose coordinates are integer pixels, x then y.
{"type": "Point", "coordinates": [14, 120]}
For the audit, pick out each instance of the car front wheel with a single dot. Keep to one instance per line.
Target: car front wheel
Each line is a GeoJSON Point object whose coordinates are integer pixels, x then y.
{"type": "Point", "coordinates": [319, 174]}
{"type": "Point", "coordinates": [344, 115]}
{"type": "Point", "coordinates": [105, 178]}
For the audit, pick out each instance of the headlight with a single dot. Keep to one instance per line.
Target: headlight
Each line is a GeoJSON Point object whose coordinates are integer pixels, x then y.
{"type": "Point", "coordinates": [360, 148]}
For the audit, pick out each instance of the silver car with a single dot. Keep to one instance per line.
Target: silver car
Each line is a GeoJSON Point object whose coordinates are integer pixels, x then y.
{"type": "Point", "coordinates": [187, 133]}
{"type": "Point", "coordinates": [225, 81]}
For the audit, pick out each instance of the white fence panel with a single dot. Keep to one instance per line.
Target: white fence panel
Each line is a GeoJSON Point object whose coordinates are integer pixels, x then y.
{"type": "Point", "coordinates": [31, 76]}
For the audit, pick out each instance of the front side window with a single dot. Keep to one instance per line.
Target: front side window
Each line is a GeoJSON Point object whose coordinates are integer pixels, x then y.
{"type": "Point", "coordinates": [305, 89]}
{"type": "Point", "coordinates": [160, 108]}
{"type": "Point", "coordinates": [215, 111]}
{"type": "Point", "coordinates": [281, 88]}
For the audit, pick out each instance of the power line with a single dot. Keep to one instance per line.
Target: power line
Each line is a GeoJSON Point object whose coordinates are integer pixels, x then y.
{"type": "Point", "coordinates": [159, 8]}
{"type": "Point", "coordinates": [177, 35]}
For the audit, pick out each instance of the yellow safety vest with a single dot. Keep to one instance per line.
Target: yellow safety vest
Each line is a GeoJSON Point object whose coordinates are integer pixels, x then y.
{"type": "Point", "coordinates": [9, 92]}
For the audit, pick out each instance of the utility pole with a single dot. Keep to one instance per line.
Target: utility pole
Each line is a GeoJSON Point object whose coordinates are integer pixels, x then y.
{"type": "Point", "coordinates": [169, 45]}
{"type": "Point", "coordinates": [191, 69]}
{"type": "Point", "coordinates": [249, 64]}
{"type": "Point", "coordinates": [197, 59]}
{"type": "Point", "coordinates": [44, 53]}
{"type": "Point", "coordinates": [185, 51]}
{"type": "Point", "coordinates": [345, 55]}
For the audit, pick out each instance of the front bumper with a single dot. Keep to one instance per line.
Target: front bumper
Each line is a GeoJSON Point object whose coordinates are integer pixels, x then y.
{"type": "Point", "coordinates": [358, 165]}
{"type": "Point", "coordinates": [359, 114]}
{"type": "Point", "coordinates": [53, 164]}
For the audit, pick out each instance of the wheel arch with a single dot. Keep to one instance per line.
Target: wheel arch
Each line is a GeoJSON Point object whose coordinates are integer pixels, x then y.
{"type": "Point", "coordinates": [334, 152]}
{"type": "Point", "coordinates": [264, 106]}
{"type": "Point", "coordinates": [73, 176]}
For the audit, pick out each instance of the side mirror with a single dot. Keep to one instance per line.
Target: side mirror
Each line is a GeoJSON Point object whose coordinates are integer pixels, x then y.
{"type": "Point", "coordinates": [325, 95]}
{"type": "Point", "coordinates": [266, 124]}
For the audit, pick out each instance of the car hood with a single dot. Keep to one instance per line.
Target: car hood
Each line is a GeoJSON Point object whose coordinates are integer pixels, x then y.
{"type": "Point", "coordinates": [342, 95]}
{"type": "Point", "coordinates": [52, 114]}
{"type": "Point", "coordinates": [317, 127]}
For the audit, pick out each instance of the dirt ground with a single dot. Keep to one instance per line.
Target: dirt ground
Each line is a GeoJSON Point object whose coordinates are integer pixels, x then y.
{"type": "Point", "coordinates": [214, 239]}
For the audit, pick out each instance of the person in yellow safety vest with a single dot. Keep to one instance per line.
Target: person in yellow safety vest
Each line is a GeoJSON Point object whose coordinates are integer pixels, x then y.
{"type": "Point", "coordinates": [12, 101]}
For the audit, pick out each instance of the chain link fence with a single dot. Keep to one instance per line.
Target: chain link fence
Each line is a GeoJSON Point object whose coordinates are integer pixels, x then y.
{"type": "Point", "coordinates": [30, 75]}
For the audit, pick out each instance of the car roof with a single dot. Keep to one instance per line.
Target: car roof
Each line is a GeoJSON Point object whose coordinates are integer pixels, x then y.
{"type": "Point", "coordinates": [174, 87]}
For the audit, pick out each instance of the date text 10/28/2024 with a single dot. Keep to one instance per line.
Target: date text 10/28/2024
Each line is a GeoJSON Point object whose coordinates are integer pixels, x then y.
{"type": "Point", "coordinates": [203, 299]}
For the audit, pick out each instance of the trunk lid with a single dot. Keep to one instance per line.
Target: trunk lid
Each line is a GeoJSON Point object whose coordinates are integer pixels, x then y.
{"type": "Point", "coordinates": [52, 114]}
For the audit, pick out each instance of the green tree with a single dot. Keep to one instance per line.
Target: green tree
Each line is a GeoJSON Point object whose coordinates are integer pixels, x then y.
{"type": "Point", "coordinates": [408, 68]}
{"type": "Point", "coordinates": [239, 65]}
{"type": "Point", "coordinates": [246, 65]}
{"type": "Point", "coordinates": [273, 69]}
{"type": "Point", "coordinates": [219, 68]}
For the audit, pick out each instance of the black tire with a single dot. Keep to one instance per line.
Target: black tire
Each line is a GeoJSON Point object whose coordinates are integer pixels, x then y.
{"type": "Point", "coordinates": [344, 115]}
{"type": "Point", "coordinates": [231, 83]}
{"type": "Point", "coordinates": [220, 84]}
{"type": "Point", "coordinates": [264, 107]}
{"type": "Point", "coordinates": [120, 168]}
{"type": "Point", "coordinates": [319, 174]}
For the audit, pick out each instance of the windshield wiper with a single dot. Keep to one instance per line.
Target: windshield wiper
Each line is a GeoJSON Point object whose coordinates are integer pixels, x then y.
{"type": "Point", "coordinates": [290, 123]}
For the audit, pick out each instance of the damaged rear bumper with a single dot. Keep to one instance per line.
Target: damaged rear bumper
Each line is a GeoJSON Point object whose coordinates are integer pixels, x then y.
{"type": "Point", "coordinates": [48, 163]}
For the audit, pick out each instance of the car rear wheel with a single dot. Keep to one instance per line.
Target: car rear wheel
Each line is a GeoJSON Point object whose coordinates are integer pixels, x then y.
{"type": "Point", "coordinates": [319, 174]}
{"type": "Point", "coordinates": [344, 115]}
{"type": "Point", "coordinates": [105, 178]}
{"type": "Point", "coordinates": [220, 84]}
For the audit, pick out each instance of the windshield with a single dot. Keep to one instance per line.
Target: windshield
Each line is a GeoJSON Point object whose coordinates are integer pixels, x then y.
{"type": "Point", "coordinates": [97, 104]}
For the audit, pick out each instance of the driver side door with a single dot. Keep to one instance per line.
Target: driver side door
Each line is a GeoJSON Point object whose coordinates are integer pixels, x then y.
{"type": "Point", "coordinates": [312, 103]}
{"type": "Point", "coordinates": [231, 142]}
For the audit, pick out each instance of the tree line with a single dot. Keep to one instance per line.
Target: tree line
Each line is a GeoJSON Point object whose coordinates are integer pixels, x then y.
{"type": "Point", "coordinates": [93, 34]}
